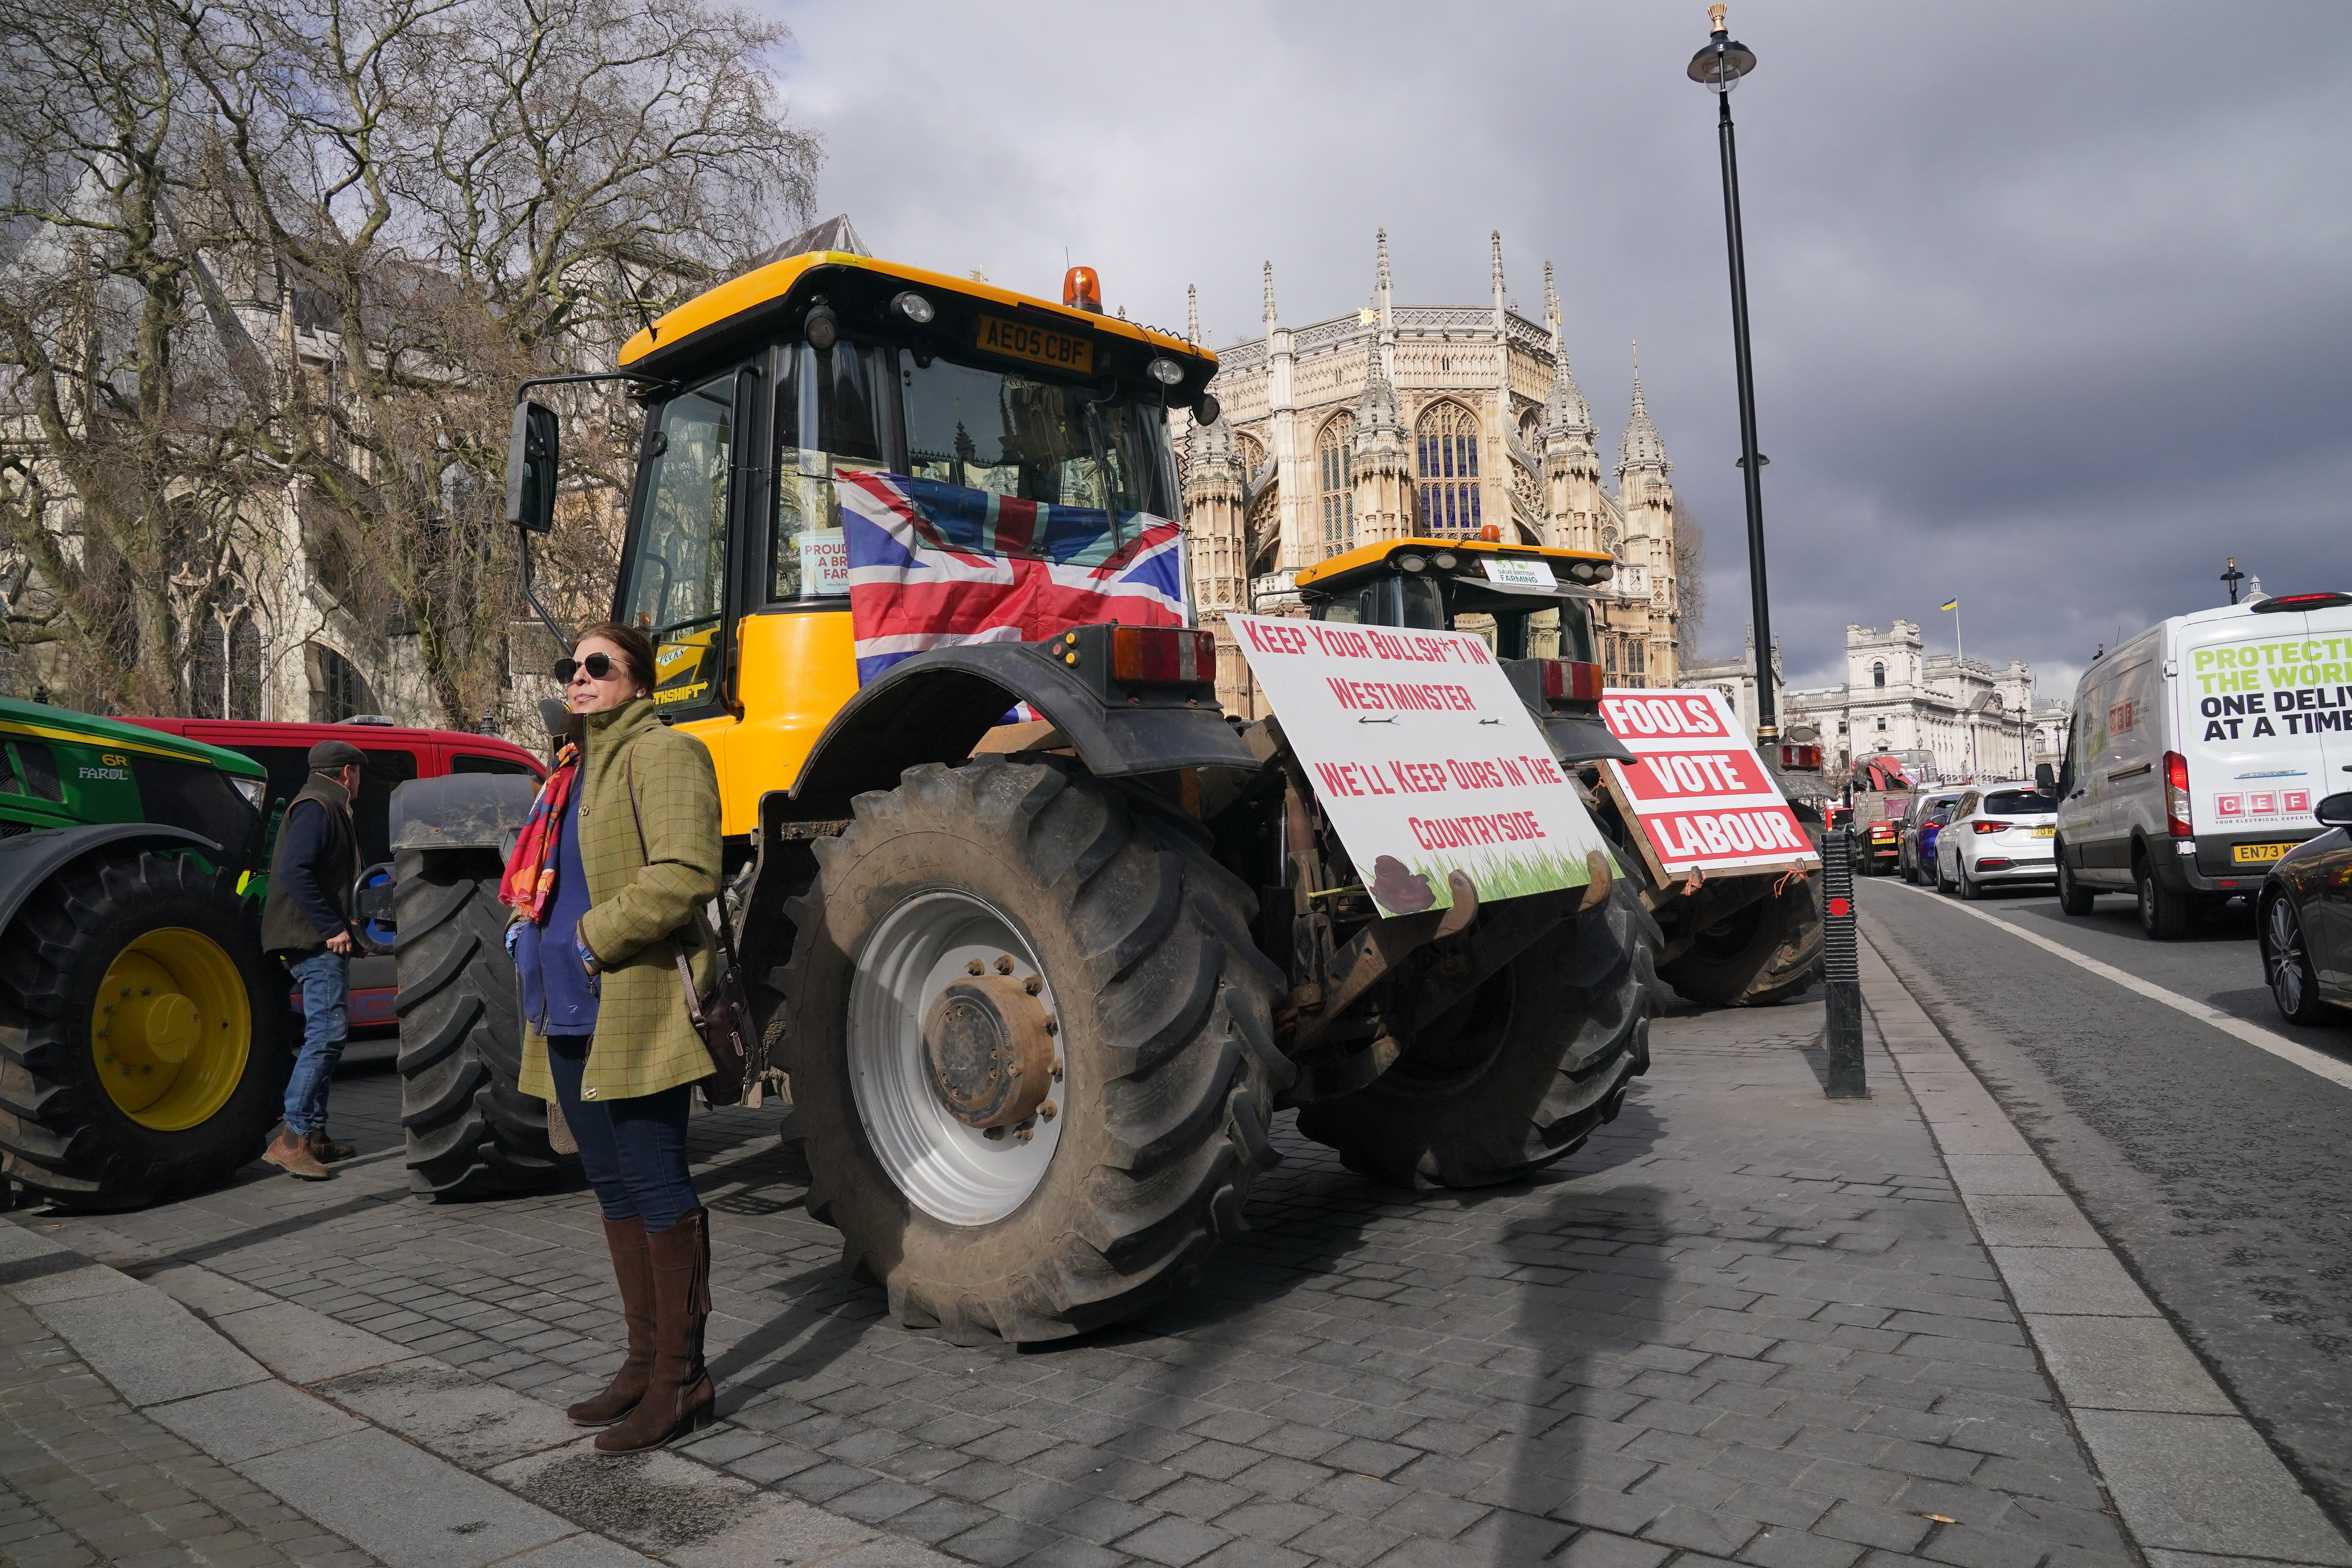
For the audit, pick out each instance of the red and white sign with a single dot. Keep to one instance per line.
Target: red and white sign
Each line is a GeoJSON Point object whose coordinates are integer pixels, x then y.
{"type": "Point", "coordinates": [1424, 759]}
{"type": "Point", "coordinates": [1700, 791]}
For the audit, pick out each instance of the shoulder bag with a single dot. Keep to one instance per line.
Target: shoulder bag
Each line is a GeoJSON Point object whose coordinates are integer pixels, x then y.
{"type": "Point", "coordinates": [723, 1018]}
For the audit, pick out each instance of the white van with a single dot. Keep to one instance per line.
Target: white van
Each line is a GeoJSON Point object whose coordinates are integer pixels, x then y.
{"type": "Point", "coordinates": [2198, 750]}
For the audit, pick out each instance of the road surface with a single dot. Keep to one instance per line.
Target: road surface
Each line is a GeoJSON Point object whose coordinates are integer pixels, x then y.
{"type": "Point", "coordinates": [2217, 1169]}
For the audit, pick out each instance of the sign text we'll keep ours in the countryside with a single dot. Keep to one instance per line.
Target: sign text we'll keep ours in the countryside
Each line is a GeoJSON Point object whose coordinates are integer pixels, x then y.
{"type": "Point", "coordinates": [1423, 758]}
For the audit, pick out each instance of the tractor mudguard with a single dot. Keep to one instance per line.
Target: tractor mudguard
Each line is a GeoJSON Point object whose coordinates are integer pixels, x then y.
{"type": "Point", "coordinates": [30, 859]}
{"type": "Point", "coordinates": [460, 811]}
{"type": "Point", "coordinates": [937, 705]}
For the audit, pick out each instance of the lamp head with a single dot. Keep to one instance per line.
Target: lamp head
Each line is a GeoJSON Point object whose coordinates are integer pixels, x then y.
{"type": "Point", "coordinates": [1718, 66]}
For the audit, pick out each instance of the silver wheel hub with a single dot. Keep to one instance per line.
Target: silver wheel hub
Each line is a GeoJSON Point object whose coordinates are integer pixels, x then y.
{"type": "Point", "coordinates": [953, 1058]}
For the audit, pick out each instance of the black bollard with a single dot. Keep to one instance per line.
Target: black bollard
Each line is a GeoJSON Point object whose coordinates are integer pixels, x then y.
{"type": "Point", "coordinates": [1841, 969]}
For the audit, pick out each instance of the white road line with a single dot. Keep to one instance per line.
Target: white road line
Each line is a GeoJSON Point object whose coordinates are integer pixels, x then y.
{"type": "Point", "coordinates": [2254, 1035]}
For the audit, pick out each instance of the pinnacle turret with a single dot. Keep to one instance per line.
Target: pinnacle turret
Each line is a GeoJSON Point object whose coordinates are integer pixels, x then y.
{"type": "Point", "coordinates": [1192, 313]}
{"type": "Point", "coordinates": [1642, 447]}
{"type": "Point", "coordinates": [1268, 312]}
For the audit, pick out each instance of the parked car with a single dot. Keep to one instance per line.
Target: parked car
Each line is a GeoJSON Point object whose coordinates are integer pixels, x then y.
{"type": "Point", "coordinates": [2303, 918]}
{"type": "Point", "coordinates": [1916, 853]}
{"type": "Point", "coordinates": [2197, 752]}
{"type": "Point", "coordinates": [395, 755]}
{"type": "Point", "coordinates": [1997, 832]}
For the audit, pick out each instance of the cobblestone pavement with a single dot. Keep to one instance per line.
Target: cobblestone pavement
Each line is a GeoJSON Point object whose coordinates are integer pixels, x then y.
{"type": "Point", "coordinates": [1745, 1322]}
{"type": "Point", "coordinates": [85, 1479]}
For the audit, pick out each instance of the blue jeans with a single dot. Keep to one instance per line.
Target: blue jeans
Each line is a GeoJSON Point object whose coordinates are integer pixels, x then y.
{"type": "Point", "coordinates": [633, 1151]}
{"type": "Point", "coordinates": [326, 982]}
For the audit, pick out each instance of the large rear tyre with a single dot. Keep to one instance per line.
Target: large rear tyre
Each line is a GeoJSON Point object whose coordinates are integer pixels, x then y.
{"type": "Point", "coordinates": [1759, 952]}
{"type": "Point", "coordinates": [144, 1039]}
{"type": "Point", "coordinates": [470, 1132]}
{"type": "Point", "coordinates": [1541, 1056]}
{"type": "Point", "coordinates": [984, 878]}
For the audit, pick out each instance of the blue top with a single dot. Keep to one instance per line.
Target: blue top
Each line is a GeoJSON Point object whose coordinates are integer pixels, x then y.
{"type": "Point", "coordinates": [556, 996]}
{"type": "Point", "coordinates": [306, 837]}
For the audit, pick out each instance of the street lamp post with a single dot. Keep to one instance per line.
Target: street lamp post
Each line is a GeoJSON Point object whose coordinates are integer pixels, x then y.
{"type": "Point", "coordinates": [1719, 68]}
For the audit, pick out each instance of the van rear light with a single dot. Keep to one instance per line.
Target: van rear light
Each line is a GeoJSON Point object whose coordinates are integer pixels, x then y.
{"type": "Point", "coordinates": [2288, 603]}
{"type": "Point", "coordinates": [1800, 756]}
{"type": "Point", "coordinates": [1570, 680]}
{"type": "Point", "coordinates": [1989, 826]}
{"type": "Point", "coordinates": [1162, 656]}
{"type": "Point", "coordinates": [2176, 794]}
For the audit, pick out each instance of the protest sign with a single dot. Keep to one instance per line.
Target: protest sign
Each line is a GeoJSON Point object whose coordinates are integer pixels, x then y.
{"type": "Point", "coordinates": [1699, 792]}
{"type": "Point", "coordinates": [1423, 758]}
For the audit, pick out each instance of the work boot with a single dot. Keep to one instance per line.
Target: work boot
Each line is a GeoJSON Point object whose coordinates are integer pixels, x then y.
{"type": "Point", "coordinates": [327, 1151]}
{"type": "Point", "coordinates": [632, 1270]}
{"type": "Point", "coordinates": [290, 1153]}
{"type": "Point", "coordinates": [678, 1394]}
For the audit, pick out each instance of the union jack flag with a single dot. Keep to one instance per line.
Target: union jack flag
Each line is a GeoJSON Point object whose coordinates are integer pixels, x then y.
{"type": "Point", "coordinates": [933, 566]}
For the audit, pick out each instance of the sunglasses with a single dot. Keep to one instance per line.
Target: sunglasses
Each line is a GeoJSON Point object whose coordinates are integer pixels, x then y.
{"type": "Point", "coordinates": [599, 666]}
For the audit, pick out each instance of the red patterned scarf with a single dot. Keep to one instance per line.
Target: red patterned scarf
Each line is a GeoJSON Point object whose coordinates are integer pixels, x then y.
{"type": "Point", "coordinates": [530, 883]}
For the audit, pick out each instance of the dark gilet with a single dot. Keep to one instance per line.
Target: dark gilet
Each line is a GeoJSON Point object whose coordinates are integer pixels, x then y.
{"type": "Point", "coordinates": [284, 928]}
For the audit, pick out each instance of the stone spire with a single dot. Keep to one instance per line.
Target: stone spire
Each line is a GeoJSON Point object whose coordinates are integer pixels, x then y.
{"type": "Point", "coordinates": [1642, 447]}
{"type": "Point", "coordinates": [1495, 242]}
{"type": "Point", "coordinates": [1551, 309]}
{"type": "Point", "coordinates": [1381, 286]}
{"type": "Point", "coordinates": [1565, 411]}
{"type": "Point", "coordinates": [1376, 410]}
{"type": "Point", "coordinates": [1192, 313]}
{"type": "Point", "coordinates": [1268, 311]}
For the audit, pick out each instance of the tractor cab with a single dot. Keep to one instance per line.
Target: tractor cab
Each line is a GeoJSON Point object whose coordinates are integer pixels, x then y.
{"type": "Point", "coordinates": [768, 395]}
{"type": "Point", "coordinates": [1531, 602]}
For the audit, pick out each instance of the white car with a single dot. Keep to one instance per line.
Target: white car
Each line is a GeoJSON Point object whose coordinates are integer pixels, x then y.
{"type": "Point", "coordinates": [1999, 833]}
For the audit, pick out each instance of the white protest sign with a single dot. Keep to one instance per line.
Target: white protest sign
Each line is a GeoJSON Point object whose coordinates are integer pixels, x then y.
{"type": "Point", "coordinates": [1423, 758]}
{"type": "Point", "coordinates": [1700, 791]}
{"type": "Point", "coordinates": [824, 563]}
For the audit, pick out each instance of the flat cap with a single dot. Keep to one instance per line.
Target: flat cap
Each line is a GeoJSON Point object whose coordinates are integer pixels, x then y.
{"type": "Point", "coordinates": [329, 755]}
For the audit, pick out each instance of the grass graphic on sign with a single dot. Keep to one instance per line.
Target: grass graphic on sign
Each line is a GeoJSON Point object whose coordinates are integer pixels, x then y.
{"type": "Point", "coordinates": [1514, 875]}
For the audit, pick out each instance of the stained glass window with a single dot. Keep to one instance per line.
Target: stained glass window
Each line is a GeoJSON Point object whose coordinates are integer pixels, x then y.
{"type": "Point", "coordinates": [1447, 446]}
{"type": "Point", "coordinates": [1336, 484]}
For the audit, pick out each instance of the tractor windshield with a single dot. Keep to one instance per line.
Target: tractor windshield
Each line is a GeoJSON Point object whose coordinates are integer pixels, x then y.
{"type": "Point", "coordinates": [987, 429]}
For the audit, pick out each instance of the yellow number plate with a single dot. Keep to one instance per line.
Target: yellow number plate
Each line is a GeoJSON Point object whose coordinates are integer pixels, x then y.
{"type": "Point", "coordinates": [2258, 854]}
{"type": "Point", "coordinates": [1018, 339]}
{"type": "Point", "coordinates": [2046, 833]}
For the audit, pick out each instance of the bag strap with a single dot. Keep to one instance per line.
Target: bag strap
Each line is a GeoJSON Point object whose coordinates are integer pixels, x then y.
{"type": "Point", "coordinates": [677, 948]}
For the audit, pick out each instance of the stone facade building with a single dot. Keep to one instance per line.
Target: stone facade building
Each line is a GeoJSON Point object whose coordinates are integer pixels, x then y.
{"type": "Point", "coordinates": [1429, 421]}
{"type": "Point", "coordinates": [1974, 720]}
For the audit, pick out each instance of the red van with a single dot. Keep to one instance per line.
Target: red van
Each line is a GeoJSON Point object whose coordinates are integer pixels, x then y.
{"type": "Point", "coordinates": [394, 757]}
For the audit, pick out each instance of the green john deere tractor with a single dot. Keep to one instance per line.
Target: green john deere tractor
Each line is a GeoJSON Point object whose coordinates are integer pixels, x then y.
{"type": "Point", "coordinates": [144, 1043]}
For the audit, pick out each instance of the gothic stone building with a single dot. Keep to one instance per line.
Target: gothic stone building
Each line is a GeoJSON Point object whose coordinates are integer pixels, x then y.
{"type": "Point", "coordinates": [1427, 421]}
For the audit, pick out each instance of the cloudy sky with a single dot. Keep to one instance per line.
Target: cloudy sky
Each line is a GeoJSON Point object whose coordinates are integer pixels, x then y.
{"type": "Point", "coordinates": [2052, 303]}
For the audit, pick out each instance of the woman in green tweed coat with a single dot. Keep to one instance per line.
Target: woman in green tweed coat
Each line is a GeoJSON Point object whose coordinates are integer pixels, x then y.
{"type": "Point", "coordinates": [609, 881]}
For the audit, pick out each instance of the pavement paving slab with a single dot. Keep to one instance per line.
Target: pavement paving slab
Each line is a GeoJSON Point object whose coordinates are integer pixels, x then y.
{"type": "Point", "coordinates": [1744, 1324]}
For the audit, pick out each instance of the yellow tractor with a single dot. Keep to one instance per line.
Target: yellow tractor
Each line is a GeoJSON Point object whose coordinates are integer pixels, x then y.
{"type": "Point", "coordinates": [1041, 985]}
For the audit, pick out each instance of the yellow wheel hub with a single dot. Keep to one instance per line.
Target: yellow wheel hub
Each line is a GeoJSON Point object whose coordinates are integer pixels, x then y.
{"type": "Point", "coordinates": [170, 1029]}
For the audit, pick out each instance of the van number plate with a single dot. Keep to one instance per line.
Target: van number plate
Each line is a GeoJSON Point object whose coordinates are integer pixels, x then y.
{"type": "Point", "coordinates": [2258, 854]}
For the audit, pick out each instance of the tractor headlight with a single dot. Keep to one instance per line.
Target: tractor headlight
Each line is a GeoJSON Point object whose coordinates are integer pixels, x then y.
{"type": "Point", "coordinates": [252, 789]}
{"type": "Point", "coordinates": [914, 307]}
{"type": "Point", "coordinates": [1165, 371]}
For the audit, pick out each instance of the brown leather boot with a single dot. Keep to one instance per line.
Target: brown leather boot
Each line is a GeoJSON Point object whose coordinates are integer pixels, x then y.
{"type": "Point", "coordinates": [327, 1149]}
{"type": "Point", "coordinates": [677, 1398]}
{"type": "Point", "coordinates": [290, 1153]}
{"type": "Point", "coordinates": [632, 1270]}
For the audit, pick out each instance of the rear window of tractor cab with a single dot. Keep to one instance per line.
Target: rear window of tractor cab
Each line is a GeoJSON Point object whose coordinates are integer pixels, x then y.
{"type": "Point", "coordinates": [1516, 626]}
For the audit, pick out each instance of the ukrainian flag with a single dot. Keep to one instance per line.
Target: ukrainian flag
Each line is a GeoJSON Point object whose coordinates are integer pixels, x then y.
{"type": "Point", "coordinates": [1952, 604]}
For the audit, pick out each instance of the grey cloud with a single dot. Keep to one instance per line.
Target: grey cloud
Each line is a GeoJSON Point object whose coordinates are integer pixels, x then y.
{"type": "Point", "coordinates": [2051, 301]}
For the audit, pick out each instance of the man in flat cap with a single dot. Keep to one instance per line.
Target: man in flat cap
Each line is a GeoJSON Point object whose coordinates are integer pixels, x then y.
{"type": "Point", "coordinates": [307, 921]}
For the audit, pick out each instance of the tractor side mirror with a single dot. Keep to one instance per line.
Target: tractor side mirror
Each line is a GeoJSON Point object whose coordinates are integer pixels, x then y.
{"type": "Point", "coordinates": [531, 469]}
{"type": "Point", "coordinates": [2046, 777]}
